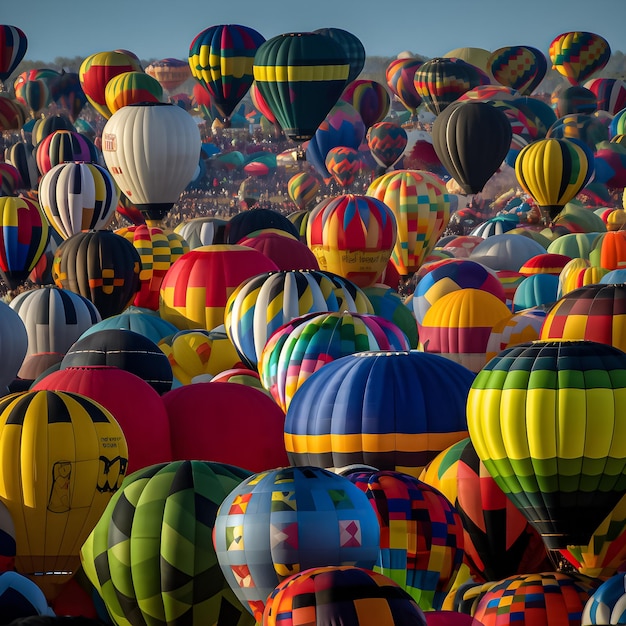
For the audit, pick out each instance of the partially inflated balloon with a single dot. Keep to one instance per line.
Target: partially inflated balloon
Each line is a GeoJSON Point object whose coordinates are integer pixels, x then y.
{"type": "Point", "coordinates": [553, 171]}
{"type": "Point", "coordinates": [301, 76]}
{"type": "Point", "coordinates": [519, 67]}
{"type": "Point", "coordinates": [578, 55]}
{"type": "Point", "coordinates": [221, 58]}
{"type": "Point", "coordinates": [472, 140]}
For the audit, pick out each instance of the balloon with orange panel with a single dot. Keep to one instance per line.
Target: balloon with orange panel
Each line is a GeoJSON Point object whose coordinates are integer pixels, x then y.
{"type": "Point", "coordinates": [458, 325]}
{"type": "Point", "coordinates": [521, 327]}
{"type": "Point", "coordinates": [608, 250]}
{"type": "Point", "coordinates": [197, 286]}
{"type": "Point", "coordinates": [353, 236]}
{"type": "Point", "coordinates": [421, 205]}
{"type": "Point", "coordinates": [594, 313]}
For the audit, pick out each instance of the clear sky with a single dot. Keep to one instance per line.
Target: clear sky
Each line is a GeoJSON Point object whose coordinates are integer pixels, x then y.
{"type": "Point", "coordinates": [165, 28]}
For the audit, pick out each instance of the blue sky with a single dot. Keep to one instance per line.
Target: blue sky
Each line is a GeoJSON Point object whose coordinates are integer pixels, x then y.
{"type": "Point", "coordinates": [165, 28]}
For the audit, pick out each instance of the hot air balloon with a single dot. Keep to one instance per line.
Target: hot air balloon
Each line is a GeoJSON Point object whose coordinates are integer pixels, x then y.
{"type": "Point", "coordinates": [471, 140]}
{"type": "Point", "coordinates": [45, 126]}
{"type": "Point", "coordinates": [77, 197]}
{"type": "Point", "coordinates": [578, 55]}
{"type": "Point", "coordinates": [21, 155]}
{"type": "Point", "coordinates": [34, 94]}
{"type": "Point", "coordinates": [301, 347]}
{"type": "Point", "coordinates": [558, 486]}
{"type": "Point", "coordinates": [24, 235]}
{"type": "Point", "coordinates": [100, 266]}
{"type": "Point", "coordinates": [151, 167]}
{"type": "Point", "coordinates": [13, 114]}
{"type": "Point", "coordinates": [159, 566]}
{"type": "Point", "coordinates": [131, 88]}
{"type": "Point", "coordinates": [342, 127]}
{"type": "Point", "coordinates": [575, 99]}
{"type": "Point", "coordinates": [77, 458]}
{"type": "Point", "coordinates": [302, 189]}
{"type": "Point", "coordinates": [440, 81]}
{"type": "Point", "coordinates": [343, 164]}
{"type": "Point", "coordinates": [421, 206]}
{"type": "Point", "coordinates": [202, 231]}
{"type": "Point", "coordinates": [63, 146]}
{"type": "Point", "coordinates": [374, 415]}
{"type": "Point", "coordinates": [400, 74]}
{"type": "Point", "coordinates": [605, 606]}
{"type": "Point", "coordinates": [126, 350]}
{"type": "Point", "coordinates": [520, 67]}
{"type": "Point", "coordinates": [247, 222]}
{"type": "Point", "coordinates": [10, 179]}
{"type": "Point", "coordinates": [421, 543]}
{"type": "Point", "coordinates": [301, 76]}
{"type": "Point", "coordinates": [54, 318]}
{"type": "Point", "coordinates": [221, 59]}
{"type": "Point", "coordinates": [97, 70]}
{"type": "Point", "coordinates": [354, 589]}
{"type": "Point", "coordinates": [170, 73]}
{"type": "Point", "coordinates": [287, 252]}
{"type": "Point", "coordinates": [13, 45]}
{"type": "Point", "coordinates": [67, 93]}
{"type": "Point", "coordinates": [352, 47]}
{"type": "Point", "coordinates": [387, 142]}
{"type": "Point", "coordinates": [195, 290]}
{"type": "Point", "coordinates": [565, 170]}
{"type": "Point", "coordinates": [299, 502]}
{"type": "Point", "coordinates": [158, 249]}
{"type": "Point", "coordinates": [264, 302]}
{"type": "Point", "coordinates": [369, 98]}
{"type": "Point", "coordinates": [353, 236]}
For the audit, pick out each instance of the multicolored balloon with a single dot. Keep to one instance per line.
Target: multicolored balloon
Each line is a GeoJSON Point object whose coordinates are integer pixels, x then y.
{"type": "Point", "coordinates": [352, 236]}
{"type": "Point", "coordinates": [374, 599]}
{"type": "Point", "coordinates": [99, 266]}
{"type": "Point", "coordinates": [170, 73]}
{"type": "Point", "coordinates": [13, 45]}
{"type": "Point", "coordinates": [34, 94]}
{"type": "Point", "coordinates": [421, 542]}
{"type": "Point", "coordinates": [400, 74]}
{"type": "Point", "coordinates": [343, 164]}
{"type": "Point", "coordinates": [78, 197]}
{"type": "Point", "coordinates": [441, 81]}
{"type": "Point", "coordinates": [158, 250]}
{"type": "Point", "coordinates": [369, 98]}
{"type": "Point", "coordinates": [284, 67]}
{"type": "Point", "coordinates": [578, 55]}
{"type": "Point", "coordinates": [299, 348]}
{"type": "Point", "coordinates": [131, 88]}
{"type": "Point", "coordinates": [63, 146]}
{"type": "Point", "coordinates": [24, 235]}
{"type": "Point", "coordinates": [520, 67]}
{"type": "Point", "coordinates": [67, 93]}
{"type": "Point", "coordinates": [558, 487]}
{"type": "Point", "coordinates": [302, 189]}
{"type": "Point", "coordinates": [387, 142]}
{"type": "Point", "coordinates": [373, 417]}
{"type": "Point", "coordinates": [565, 170]}
{"type": "Point", "coordinates": [221, 58]}
{"type": "Point", "coordinates": [269, 518]}
{"type": "Point", "coordinates": [421, 205]}
{"type": "Point", "coordinates": [131, 539]}
{"type": "Point", "coordinates": [97, 70]}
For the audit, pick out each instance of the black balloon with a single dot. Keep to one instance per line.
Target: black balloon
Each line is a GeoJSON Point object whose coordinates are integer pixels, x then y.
{"type": "Point", "coordinates": [246, 222]}
{"type": "Point", "coordinates": [471, 140]}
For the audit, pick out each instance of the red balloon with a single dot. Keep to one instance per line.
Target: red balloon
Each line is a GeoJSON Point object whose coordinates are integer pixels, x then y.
{"type": "Point", "coordinates": [136, 406]}
{"type": "Point", "coordinates": [287, 252]}
{"type": "Point", "coordinates": [226, 423]}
